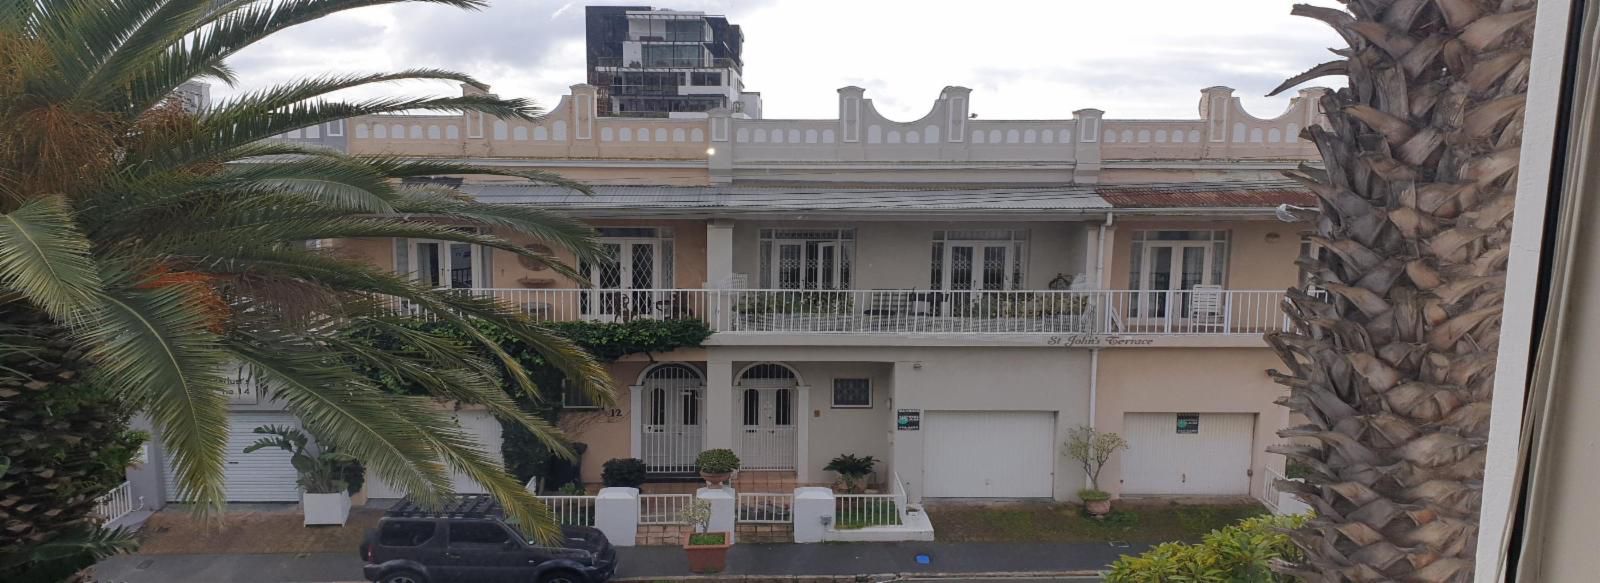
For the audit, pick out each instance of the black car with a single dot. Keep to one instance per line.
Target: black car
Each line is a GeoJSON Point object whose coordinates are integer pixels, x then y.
{"type": "Point", "coordinates": [469, 541]}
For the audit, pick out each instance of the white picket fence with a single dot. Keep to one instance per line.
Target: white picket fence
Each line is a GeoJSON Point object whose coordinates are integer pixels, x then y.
{"type": "Point", "coordinates": [663, 508]}
{"type": "Point", "coordinates": [115, 504]}
{"type": "Point", "coordinates": [765, 508]}
{"type": "Point", "coordinates": [571, 510]}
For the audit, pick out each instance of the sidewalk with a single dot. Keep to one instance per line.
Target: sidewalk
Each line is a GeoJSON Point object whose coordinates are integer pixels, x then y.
{"type": "Point", "coordinates": [648, 562]}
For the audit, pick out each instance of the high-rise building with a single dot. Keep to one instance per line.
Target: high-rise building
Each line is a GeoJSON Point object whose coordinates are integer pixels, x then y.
{"type": "Point", "coordinates": [650, 62]}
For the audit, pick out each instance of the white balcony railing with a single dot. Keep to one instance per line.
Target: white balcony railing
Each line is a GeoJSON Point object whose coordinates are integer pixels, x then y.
{"type": "Point", "coordinates": [1044, 312]}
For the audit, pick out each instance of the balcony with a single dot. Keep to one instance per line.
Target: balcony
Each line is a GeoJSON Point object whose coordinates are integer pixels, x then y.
{"type": "Point", "coordinates": [1211, 312]}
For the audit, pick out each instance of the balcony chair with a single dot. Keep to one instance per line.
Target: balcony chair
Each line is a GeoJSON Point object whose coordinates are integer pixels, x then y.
{"type": "Point", "coordinates": [1206, 309]}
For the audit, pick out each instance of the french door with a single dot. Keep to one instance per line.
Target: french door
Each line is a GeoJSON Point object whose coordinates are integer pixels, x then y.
{"type": "Point", "coordinates": [767, 427]}
{"type": "Point", "coordinates": [808, 265]}
{"type": "Point", "coordinates": [444, 264]}
{"type": "Point", "coordinates": [671, 434]}
{"type": "Point", "coordinates": [623, 279]}
{"type": "Point", "coordinates": [978, 266]}
{"type": "Point", "coordinates": [1170, 267]}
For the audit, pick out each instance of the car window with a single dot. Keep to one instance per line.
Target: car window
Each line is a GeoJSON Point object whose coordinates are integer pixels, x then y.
{"type": "Point", "coordinates": [405, 533]}
{"type": "Point", "coordinates": [478, 533]}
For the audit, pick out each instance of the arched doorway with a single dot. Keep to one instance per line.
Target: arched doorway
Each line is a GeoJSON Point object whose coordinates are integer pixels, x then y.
{"type": "Point", "coordinates": [671, 434]}
{"type": "Point", "coordinates": [764, 406]}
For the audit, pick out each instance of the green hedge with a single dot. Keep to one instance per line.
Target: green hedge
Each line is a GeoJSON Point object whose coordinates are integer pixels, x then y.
{"type": "Point", "coordinates": [1242, 553]}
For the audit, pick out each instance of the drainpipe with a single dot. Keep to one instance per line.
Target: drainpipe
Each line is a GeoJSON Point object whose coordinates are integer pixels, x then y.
{"type": "Point", "coordinates": [1100, 262]}
{"type": "Point", "coordinates": [1094, 395]}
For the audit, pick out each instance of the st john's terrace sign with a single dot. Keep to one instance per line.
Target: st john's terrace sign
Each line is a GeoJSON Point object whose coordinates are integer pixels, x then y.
{"type": "Point", "coordinates": [1098, 340]}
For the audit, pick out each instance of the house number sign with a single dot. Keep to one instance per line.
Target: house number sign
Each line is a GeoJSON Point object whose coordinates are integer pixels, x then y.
{"type": "Point", "coordinates": [908, 419]}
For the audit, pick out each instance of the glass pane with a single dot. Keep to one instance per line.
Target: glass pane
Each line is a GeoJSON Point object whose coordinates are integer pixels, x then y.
{"type": "Point", "coordinates": [752, 407]}
{"type": "Point", "coordinates": [936, 272]}
{"type": "Point", "coordinates": [961, 267]}
{"type": "Point", "coordinates": [691, 408]}
{"type": "Point", "coordinates": [766, 265]}
{"type": "Point", "coordinates": [1136, 274]}
{"type": "Point", "coordinates": [609, 268]}
{"type": "Point", "coordinates": [1219, 262]}
{"type": "Point", "coordinates": [827, 264]}
{"type": "Point", "coordinates": [782, 414]}
{"type": "Point", "coordinates": [1194, 266]}
{"type": "Point", "coordinates": [460, 265]}
{"type": "Point", "coordinates": [1160, 281]}
{"type": "Point", "coordinates": [428, 264]}
{"type": "Point", "coordinates": [994, 268]}
{"type": "Point", "coordinates": [789, 266]}
{"type": "Point", "coordinates": [658, 407]}
{"type": "Point", "coordinates": [643, 266]}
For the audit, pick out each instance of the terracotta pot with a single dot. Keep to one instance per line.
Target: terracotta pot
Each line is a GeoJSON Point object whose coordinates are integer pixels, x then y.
{"type": "Point", "coordinates": [707, 558]}
{"type": "Point", "coordinates": [1097, 508]}
{"type": "Point", "coordinates": [716, 480]}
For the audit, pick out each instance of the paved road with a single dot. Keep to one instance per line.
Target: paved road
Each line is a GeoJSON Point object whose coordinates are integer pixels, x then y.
{"type": "Point", "coordinates": [750, 559]}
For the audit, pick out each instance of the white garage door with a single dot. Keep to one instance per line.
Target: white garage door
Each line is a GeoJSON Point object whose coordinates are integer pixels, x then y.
{"type": "Point", "coordinates": [1211, 459]}
{"type": "Point", "coordinates": [262, 476]}
{"type": "Point", "coordinates": [989, 454]}
{"type": "Point", "coordinates": [481, 426]}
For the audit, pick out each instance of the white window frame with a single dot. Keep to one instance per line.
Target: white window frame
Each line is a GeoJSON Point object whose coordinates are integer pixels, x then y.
{"type": "Point", "coordinates": [1141, 273]}
{"type": "Point", "coordinates": [1014, 241]}
{"type": "Point", "coordinates": [572, 398]}
{"type": "Point", "coordinates": [413, 269]}
{"type": "Point", "coordinates": [833, 394]}
{"type": "Point", "coordinates": [842, 241]}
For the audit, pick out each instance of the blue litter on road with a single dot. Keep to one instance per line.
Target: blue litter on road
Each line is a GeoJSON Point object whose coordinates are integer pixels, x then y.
{"type": "Point", "coordinates": [923, 559]}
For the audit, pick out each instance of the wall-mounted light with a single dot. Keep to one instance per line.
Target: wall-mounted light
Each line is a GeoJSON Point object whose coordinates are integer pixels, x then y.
{"type": "Point", "coordinates": [711, 151]}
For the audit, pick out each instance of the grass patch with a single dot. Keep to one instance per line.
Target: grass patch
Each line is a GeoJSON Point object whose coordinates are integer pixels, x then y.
{"type": "Point", "coordinates": [708, 538]}
{"type": "Point", "coordinates": [1066, 523]}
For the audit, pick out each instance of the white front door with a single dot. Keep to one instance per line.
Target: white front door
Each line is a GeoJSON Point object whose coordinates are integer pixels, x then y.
{"type": "Point", "coordinates": [624, 279]}
{"type": "Point", "coordinates": [767, 427]}
{"type": "Point", "coordinates": [445, 264]}
{"type": "Point", "coordinates": [1187, 453]}
{"type": "Point", "coordinates": [671, 434]}
{"type": "Point", "coordinates": [989, 454]}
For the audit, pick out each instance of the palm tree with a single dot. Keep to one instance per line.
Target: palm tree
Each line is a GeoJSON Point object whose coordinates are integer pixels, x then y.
{"type": "Point", "coordinates": [1394, 373]}
{"type": "Point", "coordinates": [176, 247]}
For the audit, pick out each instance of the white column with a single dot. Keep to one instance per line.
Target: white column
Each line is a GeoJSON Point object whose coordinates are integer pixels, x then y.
{"type": "Point", "coordinates": [802, 449]}
{"type": "Point", "coordinates": [719, 404]}
{"type": "Point", "coordinates": [636, 413]}
{"type": "Point", "coordinates": [813, 513]}
{"type": "Point", "coordinates": [719, 253]}
{"type": "Point", "coordinates": [723, 508]}
{"type": "Point", "coordinates": [907, 445]}
{"type": "Point", "coordinates": [616, 513]}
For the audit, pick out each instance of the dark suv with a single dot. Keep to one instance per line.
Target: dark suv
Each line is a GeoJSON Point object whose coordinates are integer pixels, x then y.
{"type": "Point", "coordinates": [469, 541]}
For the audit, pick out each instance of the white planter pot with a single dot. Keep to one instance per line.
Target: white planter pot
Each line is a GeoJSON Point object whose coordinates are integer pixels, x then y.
{"type": "Point", "coordinates": [325, 508]}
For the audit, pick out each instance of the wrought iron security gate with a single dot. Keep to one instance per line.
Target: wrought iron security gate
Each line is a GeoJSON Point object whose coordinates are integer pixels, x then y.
{"type": "Point", "coordinates": [765, 404]}
{"type": "Point", "coordinates": [671, 432]}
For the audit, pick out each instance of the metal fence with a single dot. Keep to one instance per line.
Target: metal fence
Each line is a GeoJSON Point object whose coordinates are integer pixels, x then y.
{"type": "Point", "coordinates": [115, 504]}
{"type": "Point", "coordinates": [571, 510]}
{"type": "Point", "coordinates": [852, 511]}
{"type": "Point", "coordinates": [664, 508]}
{"type": "Point", "coordinates": [765, 508]}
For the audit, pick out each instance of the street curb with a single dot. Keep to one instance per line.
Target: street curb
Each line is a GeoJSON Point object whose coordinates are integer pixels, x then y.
{"type": "Point", "coordinates": [877, 578]}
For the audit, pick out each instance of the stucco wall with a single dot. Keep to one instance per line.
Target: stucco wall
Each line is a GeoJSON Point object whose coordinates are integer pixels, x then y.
{"type": "Point", "coordinates": [833, 431]}
{"type": "Point", "coordinates": [607, 432]}
{"type": "Point", "coordinates": [1190, 380]}
{"type": "Point", "coordinates": [896, 255]}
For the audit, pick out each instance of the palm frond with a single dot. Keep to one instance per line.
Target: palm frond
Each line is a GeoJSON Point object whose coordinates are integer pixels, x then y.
{"type": "Point", "coordinates": [45, 258]}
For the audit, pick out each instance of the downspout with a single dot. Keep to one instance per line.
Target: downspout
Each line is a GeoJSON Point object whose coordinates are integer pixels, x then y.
{"type": "Point", "coordinates": [1094, 353]}
{"type": "Point", "coordinates": [1100, 247]}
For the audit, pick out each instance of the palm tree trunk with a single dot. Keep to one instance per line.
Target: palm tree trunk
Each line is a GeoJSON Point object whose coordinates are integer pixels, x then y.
{"type": "Point", "coordinates": [1393, 371]}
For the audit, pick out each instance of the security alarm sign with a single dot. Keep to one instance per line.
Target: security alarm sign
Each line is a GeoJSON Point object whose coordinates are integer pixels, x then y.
{"type": "Point", "coordinates": [1188, 424]}
{"type": "Point", "coordinates": [908, 420]}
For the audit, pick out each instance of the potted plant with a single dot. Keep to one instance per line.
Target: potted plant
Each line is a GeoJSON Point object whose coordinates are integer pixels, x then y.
{"type": "Point", "coordinates": [852, 470]}
{"type": "Point", "coordinates": [623, 472]}
{"type": "Point", "coordinates": [324, 473]}
{"type": "Point", "coordinates": [708, 551]}
{"type": "Point", "coordinates": [1093, 449]}
{"type": "Point", "coordinates": [716, 466]}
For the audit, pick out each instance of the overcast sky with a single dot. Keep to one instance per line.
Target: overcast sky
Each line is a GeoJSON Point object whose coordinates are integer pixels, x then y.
{"type": "Point", "coordinates": [1022, 58]}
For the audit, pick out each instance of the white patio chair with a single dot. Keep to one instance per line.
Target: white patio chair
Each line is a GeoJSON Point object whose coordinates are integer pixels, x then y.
{"type": "Point", "coordinates": [1206, 308]}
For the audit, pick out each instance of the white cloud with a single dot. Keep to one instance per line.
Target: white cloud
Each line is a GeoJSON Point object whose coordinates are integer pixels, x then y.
{"type": "Point", "coordinates": [1022, 58]}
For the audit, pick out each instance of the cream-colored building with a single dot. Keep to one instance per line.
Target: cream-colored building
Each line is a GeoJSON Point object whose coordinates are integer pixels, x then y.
{"type": "Point", "coordinates": [949, 295]}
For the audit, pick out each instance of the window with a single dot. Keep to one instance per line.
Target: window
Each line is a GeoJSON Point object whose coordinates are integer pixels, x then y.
{"type": "Point", "coordinates": [978, 260]}
{"type": "Point", "coordinates": [852, 393]}
{"type": "Point", "coordinates": [1309, 251]}
{"type": "Point", "coordinates": [686, 30]}
{"type": "Point", "coordinates": [442, 264]}
{"type": "Point", "coordinates": [477, 533]}
{"type": "Point", "coordinates": [405, 533]}
{"type": "Point", "coordinates": [574, 398]}
{"type": "Point", "coordinates": [1164, 262]}
{"type": "Point", "coordinates": [712, 79]}
{"type": "Point", "coordinates": [673, 55]}
{"type": "Point", "coordinates": [806, 258]}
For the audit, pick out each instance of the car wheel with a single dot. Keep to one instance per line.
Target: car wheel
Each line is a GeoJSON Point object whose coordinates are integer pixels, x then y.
{"type": "Point", "coordinates": [403, 577]}
{"type": "Point", "coordinates": [562, 577]}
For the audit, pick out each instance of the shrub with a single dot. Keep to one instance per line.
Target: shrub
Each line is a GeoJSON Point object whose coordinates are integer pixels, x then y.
{"type": "Point", "coordinates": [1093, 449]}
{"type": "Point", "coordinates": [623, 472]}
{"type": "Point", "coordinates": [1242, 553]}
{"type": "Point", "coordinates": [1093, 495]}
{"type": "Point", "coordinates": [852, 470]}
{"type": "Point", "coordinates": [717, 461]}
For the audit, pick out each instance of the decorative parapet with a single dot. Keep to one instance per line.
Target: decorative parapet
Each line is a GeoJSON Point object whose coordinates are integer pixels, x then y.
{"type": "Point", "coordinates": [947, 133]}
